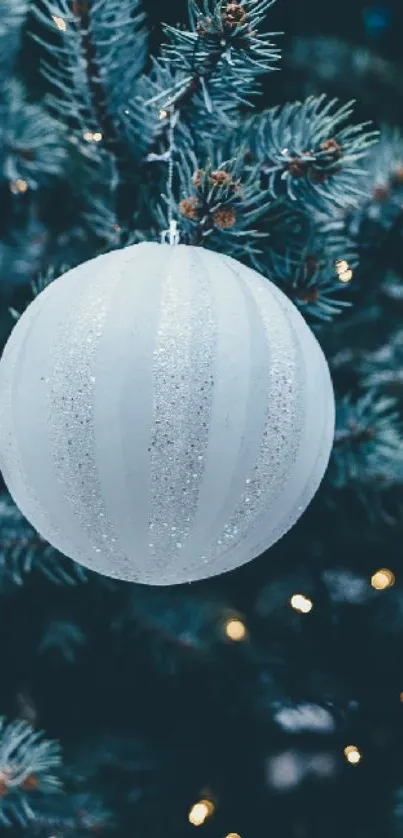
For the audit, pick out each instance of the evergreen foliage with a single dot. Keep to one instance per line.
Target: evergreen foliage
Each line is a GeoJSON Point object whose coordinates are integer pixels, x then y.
{"type": "Point", "coordinates": [245, 690]}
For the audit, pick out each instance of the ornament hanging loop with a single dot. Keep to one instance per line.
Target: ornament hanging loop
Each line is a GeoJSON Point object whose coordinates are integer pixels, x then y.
{"type": "Point", "coordinates": [171, 236]}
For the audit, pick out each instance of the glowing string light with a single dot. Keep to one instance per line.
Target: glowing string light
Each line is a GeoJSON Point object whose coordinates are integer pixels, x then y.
{"type": "Point", "coordinates": [301, 603]}
{"type": "Point", "coordinates": [92, 137]}
{"type": "Point", "coordinates": [343, 271]}
{"type": "Point", "coordinates": [382, 579]}
{"type": "Point", "coordinates": [60, 23]}
{"type": "Point", "coordinates": [18, 186]}
{"type": "Point", "coordinates": [235, 629]}
{"type": "Point", "coordinates": [200, 812]}
{"type": "Point", "coordinates": [352, 754]}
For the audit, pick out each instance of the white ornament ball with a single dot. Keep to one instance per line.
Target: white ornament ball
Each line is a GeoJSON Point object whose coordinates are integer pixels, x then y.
{"type": "Point", "coordinates": [165, 414]}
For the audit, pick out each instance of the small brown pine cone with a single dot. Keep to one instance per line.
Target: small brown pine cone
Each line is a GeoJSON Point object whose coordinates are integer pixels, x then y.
{"type": "Point", "coordinates": [380, 194]}
{"type": "Point", "coordinates": [221, 178]}
{"type": "Point", "coordinates": [4, 782]}
{"type": "Point", "coordinates": [297, 167]}
{"type": "Point", "coordinates": [190, 208]}
{"type": "Point", "coordinates": [307, 295]}
{"type": "Point", "coordinates": [224, 217]}
{"type": "Point", "coordinates": [30, 783]}
{"type": "Point", "coordinates": [319, 175]}
{"type": "Point", "coordinates": [311, 266]}
{"type": "Point", "coordinates": [80, 7]}
{"type": "Point", "coordinates": [202, 26]}
{"type": "Point", "coordinates": [398, 174]}
{"type": "Point", "coordinates": [234, 14]}
{"type": "Point", "coordinates": [197, 177]}
{"type": "Point", "coordinates": [332, 147]}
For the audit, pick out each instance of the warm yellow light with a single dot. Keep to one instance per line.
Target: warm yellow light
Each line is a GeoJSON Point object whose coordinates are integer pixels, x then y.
{"type": "Point", "coordinates": [200, 812]}
{"type": "Point", "coordinates": [401, 697]}
{"type": "Point", "coordinates": [347, 276]}
{"type": "Point", "coordinates": [18, 185]}
{"type": "Point", "coordinates": [344, 271]}
{"type": "Point", "coordinates": [162, 114]}
{"type": "Point", "coordinates": [60, 23]}
{"type": "Point", "coordinates": [235, 629]}
{"type": "Point", "coordinates": [233, 835]}
{"type": "Point", "coordinates": [91, 137]}
{"type": "Point", "coordinates": [382, 579]}
{"type": "Point", "coordinates": [301, 603]}
{"type": "Point", "coordinates": [352, 754]}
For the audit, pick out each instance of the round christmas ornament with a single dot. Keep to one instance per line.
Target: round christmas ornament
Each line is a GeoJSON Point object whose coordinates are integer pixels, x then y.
{"type": "Point", "coordinates": [165, 414]}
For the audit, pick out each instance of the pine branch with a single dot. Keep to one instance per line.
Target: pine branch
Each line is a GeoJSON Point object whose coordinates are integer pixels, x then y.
{"type": "Point", "coordinates": [85, 14]}
{"type": "Point", "coordinates": [308, 153]}
{"type": "Point", "coordinates": [100, 44]}
{"type": "Point", "coordinates": [70, 816]}
{"type": "Point", "coordinates": [349, 71]}
{"type": "Point", "coordinates": [12, 16]}
{"type": "Point", "coordinates": [314, 271]}
{"type": "Point", "coordinates": [220, 204]}
{"type": "Point", "coordinates": [209, 70]}
{"type": "Point", "coordinates": [92, 71]}
{"type": "Point", "coordinates": [62, 638]}
{"type": "Point", "coordinates": [367, 450]}
{"type": "Point", "coordinates": [28, 765]}
{"type": "Point", "coordinates": [383, 368]}
{"type": "Point", "coordinates": [223, 39]}
{"type": "Point", "coordinates": [21, 251]}
{"type": "Point", "coordinates": [23, 551]}
{"type": "Point", "coordinates": [376, 224]}
{"type": "Point", "coordinates": [32, 144]}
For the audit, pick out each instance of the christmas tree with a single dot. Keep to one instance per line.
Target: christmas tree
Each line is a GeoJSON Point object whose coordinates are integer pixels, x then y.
{"type": "Point", "coordinates": [268, 699]}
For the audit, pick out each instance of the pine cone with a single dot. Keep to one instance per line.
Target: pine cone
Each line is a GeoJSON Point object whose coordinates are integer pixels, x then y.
{"type": "Point", "coordinates": [220, 178]}
{"type": "Point", "coordinates": [234, 14]}
{"type": "Point", "coordinates": [190, 208]}
{"type": "Point", "coordinates": [202, 26]}
{"type": "Point", "coordinates": [224, 217]}
{"type": "Point", "coordinates": [297, 167]}
{"type": "Point", "coordinates": [197, 177]}
{"type": "Point", "coordinates": [80, 7]}
{"type": "Point", "coordinates": [30, 783]}
{"type": "Point", "coordinates": [332, 147]}
{"type": "Point", "coordinates": [398, 174]}
{"type": "Point", "coordinates": [380, 194]}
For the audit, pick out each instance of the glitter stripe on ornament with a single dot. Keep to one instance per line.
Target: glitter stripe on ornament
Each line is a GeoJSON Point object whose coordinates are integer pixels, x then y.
{"type": "Point", "coordinates": [318, 418]}
{"type": "Point", "coordinates": [183, 391]}
{"type": "Point", "coordinates": [274, 433]}
{"type": "Point", "coordinates": [123, 414]}
{"type": "Point", "coordinates": [251, 358]}
{"type": "Point", "coordinates": [281, 437]}
{"type": "Point", "coordinates": [33, 415]}
{"type": "Point", "coordinates": [227, 416]}
{"type": "Point", "coordinates": [304, 479]}
{"type": "Point", "coordinates": [23, 492]}
{"type": "Point", "coordinates": [70, 407]}
{"type": "Point", "coordinates": [306, 485]}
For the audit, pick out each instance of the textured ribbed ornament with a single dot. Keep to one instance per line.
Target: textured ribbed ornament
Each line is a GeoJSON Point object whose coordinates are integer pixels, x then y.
{"type": "Point", "coordinates": [165, 414]}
